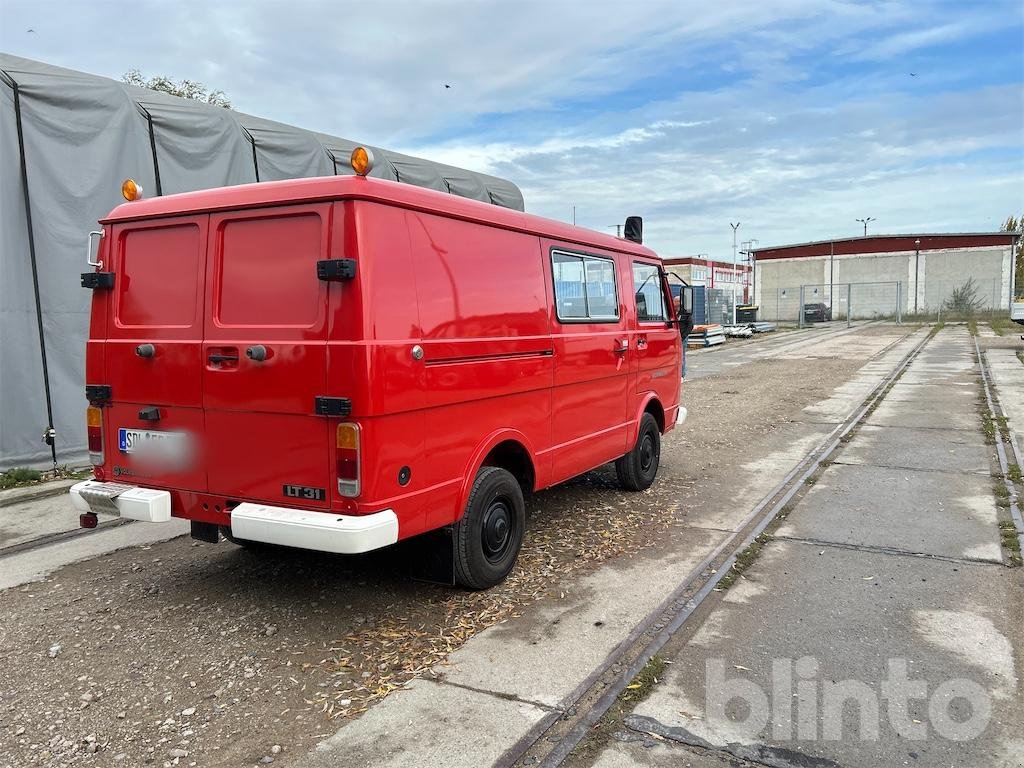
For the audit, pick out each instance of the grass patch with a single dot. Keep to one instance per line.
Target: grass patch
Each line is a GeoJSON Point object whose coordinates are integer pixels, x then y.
{"type": "Point", "coordinates": [1014, 473]}
{"type": "Point", "coordinates": [18, 476]}
{"type": "Point", "coordinates": [744, 560]}
{"type": "Point", "coordinates": [1020, 355]}
{"type": "Point", "coordinates": [972, 327]}
{"type": "Point", "coordinates": [646, 679]}
{"type": "Point", "coordinates": [1002, 325]}
{"type": "Point", "coordinates": [988, 426]}
{"type": "Point", "coordinates": [1010, 542]}
{"type": "Point", "coordinates": [1002, 495]}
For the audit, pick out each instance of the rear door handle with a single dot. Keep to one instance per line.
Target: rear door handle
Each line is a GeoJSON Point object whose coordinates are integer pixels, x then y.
{"type": "Point", "coordinates": [621, 345]}
{"type": "Point", "coordinates": [222, 358]}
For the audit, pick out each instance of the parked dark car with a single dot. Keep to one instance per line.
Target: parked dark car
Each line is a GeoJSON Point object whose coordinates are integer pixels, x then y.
{"type": "Point", "coordinates": [817, 313]}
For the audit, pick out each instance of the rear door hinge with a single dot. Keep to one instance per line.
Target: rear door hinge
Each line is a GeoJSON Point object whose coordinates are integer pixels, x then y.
{"type": "Point", "coordinates": [336, 270]}
{"type": "Point", "coordinates": [96, 280]}
{"type": "Point", "coordinates": [98, 394]}
{"type": "Point", "coordinates": [333, 406]}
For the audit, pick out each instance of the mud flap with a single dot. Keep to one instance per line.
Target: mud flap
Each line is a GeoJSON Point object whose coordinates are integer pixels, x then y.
{"type": "Point", "coordinates": [208, 532]}
{"type": "Point", "coordinates": [431, 557]}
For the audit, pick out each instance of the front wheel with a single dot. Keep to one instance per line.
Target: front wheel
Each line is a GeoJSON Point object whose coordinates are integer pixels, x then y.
{"type": "Point", "coordinates": [488, 537]}
{"type": "Point", "coordinates": [638, 468]}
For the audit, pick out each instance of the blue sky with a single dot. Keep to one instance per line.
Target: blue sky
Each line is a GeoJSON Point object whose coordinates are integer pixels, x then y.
{"type": "Point", "coordinates": [793, 117]}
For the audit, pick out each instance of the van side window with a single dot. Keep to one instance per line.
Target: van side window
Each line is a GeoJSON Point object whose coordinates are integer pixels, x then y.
{"type": "Point", "coordinates": [650, 297]}
{"type": "Point", "coordinates": [584, 287]}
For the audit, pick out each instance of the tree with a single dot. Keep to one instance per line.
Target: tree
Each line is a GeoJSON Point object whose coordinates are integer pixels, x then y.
{"type": "Point", "coordinates": [186, 89]}
{"type": "Point", "coordinates": [1016, 225]}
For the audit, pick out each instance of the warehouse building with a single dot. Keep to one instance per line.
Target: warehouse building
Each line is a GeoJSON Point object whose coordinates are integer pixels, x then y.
{"type": "Point", "coordinates": [886, 275]}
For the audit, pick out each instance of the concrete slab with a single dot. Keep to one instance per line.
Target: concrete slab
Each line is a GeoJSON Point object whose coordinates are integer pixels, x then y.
{"type": "Point", "coordinates": [35, 564]}
{"type": "Point", "coordinates": [843, 621]}
{"type": "Point", "coordinates": [955, 450]}
{"type": "Point", "coordinates": [34, 518]}
{"type": "Point", "coordinates": [935, 513]}
{"type": "Point", "coordinates": [1008, 378]}
{"type": "Point", "coordinates": [392, 733]}
{"type": "Point", "coordinates": [544, 655]}
{"type": "Point", "coordinates": [965, 393]}
{"type": "Point", "coordinates": [945, 412]}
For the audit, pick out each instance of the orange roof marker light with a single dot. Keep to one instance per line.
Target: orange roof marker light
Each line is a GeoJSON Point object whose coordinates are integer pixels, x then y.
{"type": "Point", "coordinates": [131, 190]}
{"type": "Point", "coordinates": [362, 161]}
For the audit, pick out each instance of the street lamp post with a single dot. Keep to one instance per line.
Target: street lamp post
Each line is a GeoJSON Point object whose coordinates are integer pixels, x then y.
{"type": "Point", "coordinates": [748, 251]}
{"type": "Point", "coordinates": [917, 260]}
{"type": "Point", "coordinates": [865, 223]}
{"type": "Point", "coordinates": [734, 228]}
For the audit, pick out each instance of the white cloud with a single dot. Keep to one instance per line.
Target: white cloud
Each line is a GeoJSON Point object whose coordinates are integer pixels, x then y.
{"type": "Point", "coordinates": [794, 116]}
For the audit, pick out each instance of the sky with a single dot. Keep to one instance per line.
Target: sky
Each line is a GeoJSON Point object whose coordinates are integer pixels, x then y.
{"type": "Point", "coordinates": [792, 117]}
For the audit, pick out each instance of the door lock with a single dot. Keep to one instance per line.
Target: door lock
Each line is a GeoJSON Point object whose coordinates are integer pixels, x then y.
{"type": "Point", "coordinates": [257, 353]}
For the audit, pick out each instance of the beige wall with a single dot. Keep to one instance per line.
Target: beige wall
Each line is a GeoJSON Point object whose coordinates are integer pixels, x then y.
{"type": "Point", "coordinates": [873, 277]}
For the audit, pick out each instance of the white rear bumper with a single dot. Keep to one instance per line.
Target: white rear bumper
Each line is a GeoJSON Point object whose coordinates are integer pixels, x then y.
{"type": "Point", "coordinates": [323, 531]}
{"type": "Point", "coordinates": [680, 416]}
{"type": "Point", "coordinates": [129, 501]}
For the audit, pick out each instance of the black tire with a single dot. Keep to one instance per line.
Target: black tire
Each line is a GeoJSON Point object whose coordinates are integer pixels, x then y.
{"type": "Point", "coordinates": [488, 537]}
{"type": "Point", "coordinates": [638, 468]}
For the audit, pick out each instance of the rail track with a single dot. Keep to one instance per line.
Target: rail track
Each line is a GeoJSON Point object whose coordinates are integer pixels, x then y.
{"type": "Point", "coordinates": [551, 741]}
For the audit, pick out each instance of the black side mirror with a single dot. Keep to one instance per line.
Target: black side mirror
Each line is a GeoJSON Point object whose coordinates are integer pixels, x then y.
{"type": "Point", "coordinates": [634, 229]}
{"type": "Point", "coordinates": [686, 311]}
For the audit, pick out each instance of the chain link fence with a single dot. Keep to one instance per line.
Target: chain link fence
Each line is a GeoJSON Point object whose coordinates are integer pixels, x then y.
{"type": "Point", "coordinates": [819, 303]}
{"type": "Point", "coordinates": [958, 299]}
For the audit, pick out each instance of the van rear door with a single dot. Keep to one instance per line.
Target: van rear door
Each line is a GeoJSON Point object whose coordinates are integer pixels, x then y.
{"type": "Point", "coordinates": [153, 351]}
{"type": "Point", "coordinates": [264, 355]}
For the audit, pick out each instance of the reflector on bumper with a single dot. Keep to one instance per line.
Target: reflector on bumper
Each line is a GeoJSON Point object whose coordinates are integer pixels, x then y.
{"type": "Point", "coordinates": [323, 531]}
{"type": "Point", "coordinates": [128, 501]}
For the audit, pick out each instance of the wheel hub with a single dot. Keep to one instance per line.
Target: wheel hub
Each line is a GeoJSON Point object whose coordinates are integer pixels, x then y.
{"type": "Point", "coordinates": [646, 453]}
{"type": "Point", "coordinates": [497, 530]}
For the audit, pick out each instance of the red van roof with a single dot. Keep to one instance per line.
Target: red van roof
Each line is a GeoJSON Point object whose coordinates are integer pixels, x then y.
{"type": "Point", "coordinates": [291, 191]}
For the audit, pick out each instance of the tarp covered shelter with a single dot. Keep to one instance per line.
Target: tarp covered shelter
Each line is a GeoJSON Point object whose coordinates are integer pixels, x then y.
{"type": "Point", "coordinates": [67, 141]}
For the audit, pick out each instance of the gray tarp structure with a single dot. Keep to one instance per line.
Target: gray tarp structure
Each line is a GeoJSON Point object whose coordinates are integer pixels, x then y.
{"type": "Point", "coordinates": [82, 136]}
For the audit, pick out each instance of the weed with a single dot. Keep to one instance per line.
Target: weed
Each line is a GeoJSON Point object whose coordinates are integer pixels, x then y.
{"type": "Point", "coordinates": [744, 560]}
{"type": "Point", "coordinates": [16, 476]}
{"type": "Point", "coordinates": [1011, 543]}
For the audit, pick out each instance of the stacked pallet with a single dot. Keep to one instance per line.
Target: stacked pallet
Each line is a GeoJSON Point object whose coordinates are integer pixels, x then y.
{"type": "Point", "coordinates": [710, 335]}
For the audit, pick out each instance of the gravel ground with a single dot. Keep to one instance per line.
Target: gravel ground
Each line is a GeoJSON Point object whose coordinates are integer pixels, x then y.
{"type": "Point", "coordinates": [191, 654]}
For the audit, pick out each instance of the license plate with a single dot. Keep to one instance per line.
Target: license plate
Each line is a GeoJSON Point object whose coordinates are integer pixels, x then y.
{"type": "Point", "coordinates": [142, 440]}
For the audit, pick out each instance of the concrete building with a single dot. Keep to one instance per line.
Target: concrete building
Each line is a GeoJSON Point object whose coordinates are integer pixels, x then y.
{"type": "Point", "coordinates": [699, 270]}
{"type": "Point", "coordinates": [922, 274]}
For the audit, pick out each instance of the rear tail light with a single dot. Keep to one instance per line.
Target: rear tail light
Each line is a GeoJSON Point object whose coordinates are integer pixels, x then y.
{"type": "Point", "coordinates": [348, 459]}
{"type": "Point", "coordinates": [94, 430]}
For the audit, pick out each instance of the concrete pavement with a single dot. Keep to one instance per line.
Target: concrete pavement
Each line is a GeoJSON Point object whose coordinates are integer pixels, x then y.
{"type": "Point", "coordinates": [879, 626]}
{"type": "Point", "coordinates": [534, 665]}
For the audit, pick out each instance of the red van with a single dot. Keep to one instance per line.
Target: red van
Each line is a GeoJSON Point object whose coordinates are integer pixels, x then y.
{"type": "Point", "coordinates": [339, 363]}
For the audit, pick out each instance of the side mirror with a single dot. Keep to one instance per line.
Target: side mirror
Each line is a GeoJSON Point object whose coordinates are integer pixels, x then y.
{"type": "Point", "coordinates": [634, 229]}
{"type": "Point", "coordinates": [686, 311]}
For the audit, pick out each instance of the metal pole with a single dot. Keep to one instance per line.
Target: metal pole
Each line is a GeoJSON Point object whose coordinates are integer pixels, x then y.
{"type": "Point", "coordinates": [899, 297]}
{"type": "Point", "coordinates": [800, 310]}
{"type": "Point", "coordinates": [734, 228]}
{"type": "Point", "coordinates": [917, 261]}
{"type": "Point", "coordinates": [849, 308]}
{"type": "Point", "coordinates": [50, 436]}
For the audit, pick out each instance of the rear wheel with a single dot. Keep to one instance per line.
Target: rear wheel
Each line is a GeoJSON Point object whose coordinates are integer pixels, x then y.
{"type": "Point", "coordinates": [488, 537]}
{"type": "Point", "coordinates": [638, 468]}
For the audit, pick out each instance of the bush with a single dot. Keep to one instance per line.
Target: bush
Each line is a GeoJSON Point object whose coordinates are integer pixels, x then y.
{"type": "Point", "coordinates": [964, 299]}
